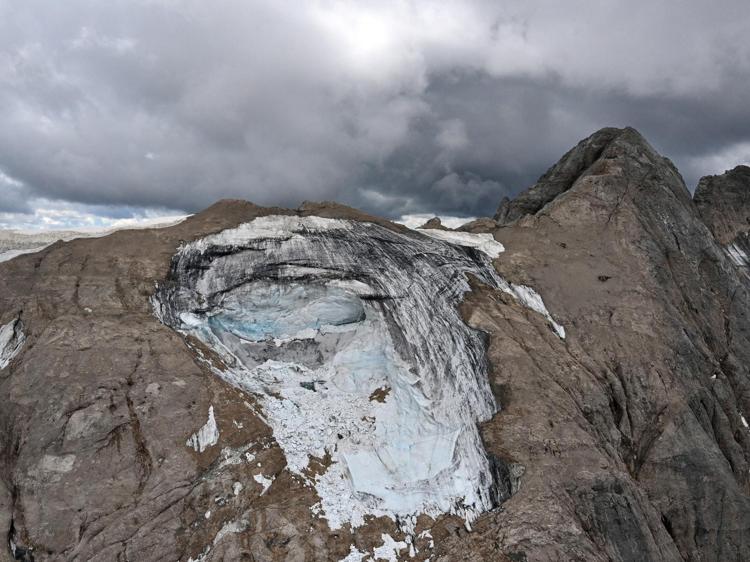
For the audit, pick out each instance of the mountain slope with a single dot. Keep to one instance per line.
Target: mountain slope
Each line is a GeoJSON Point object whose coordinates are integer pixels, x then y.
{"type": "Point", "coordinates": [154, 378]}
{"type": "Point", "coordinates": [658, 353]}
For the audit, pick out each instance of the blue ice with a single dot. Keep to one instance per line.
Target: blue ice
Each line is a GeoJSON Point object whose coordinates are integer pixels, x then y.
{"type": "Point", "coordinates": [285, 310]}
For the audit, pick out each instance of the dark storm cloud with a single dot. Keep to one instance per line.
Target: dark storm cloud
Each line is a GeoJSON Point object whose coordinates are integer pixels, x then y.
{"type": "Point", "coordinates": [393, 107]}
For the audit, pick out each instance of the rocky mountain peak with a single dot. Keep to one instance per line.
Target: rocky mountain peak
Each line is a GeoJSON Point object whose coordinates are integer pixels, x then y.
{"type": "Point", "coordinates": [594, 155]}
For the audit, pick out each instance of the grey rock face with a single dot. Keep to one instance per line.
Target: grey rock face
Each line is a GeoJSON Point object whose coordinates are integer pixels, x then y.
{"type": "Point", "coordinates": [724, 203]}
{"type": "Point", "coordinates": [596, 149]}
{"type": "Point", "coordinates": [658, 374]}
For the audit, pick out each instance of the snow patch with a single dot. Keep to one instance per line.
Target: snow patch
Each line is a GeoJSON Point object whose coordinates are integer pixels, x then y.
{"type": "Point", "coordinates": [744, 421]}
{"type": "Point", "coordinates": [426, 534]}
{"type": "Point", "coordinates": [531, 299]}
{"type": "Point", "coordinates": [355, 555]}
{"type": "Point", "coordinates": [230, 528]}
{"type": "Point", "coordinates": [12, 339]}
{"type": "Point", "coordinates": [206, 436]}
{"type": "Point", "coordinates": [418, 219]}
{"type": "Point", "coordinates": [264, 482]}
{"type": "Point", "coordinates": [269, 227]}
{"type": "Point", "coordinates": [483, 242]}
{"type": "Point", "coordinates": [202, 556]}
{"type": "Point", "coordinates": [390, 549]}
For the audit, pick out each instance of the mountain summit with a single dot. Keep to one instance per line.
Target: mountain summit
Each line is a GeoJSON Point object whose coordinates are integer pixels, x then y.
{"type": "Point", "coordinates": [592, 156]}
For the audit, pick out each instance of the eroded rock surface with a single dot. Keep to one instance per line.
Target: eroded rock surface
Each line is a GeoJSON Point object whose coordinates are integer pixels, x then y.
{"type": "Point", "coordinates": [561, 177]}
{"type": "Point", "coordinates": [638, 437]}
{"type": "Point", "coordinates": [724, 204]}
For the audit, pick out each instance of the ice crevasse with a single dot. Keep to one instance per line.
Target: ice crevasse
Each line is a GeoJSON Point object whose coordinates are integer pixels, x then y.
{"type": "Point", "coordinates": [349, 335]}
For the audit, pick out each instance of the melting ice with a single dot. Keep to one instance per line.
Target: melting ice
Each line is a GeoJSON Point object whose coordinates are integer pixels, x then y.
{"type": "Point", "coordinates": [350, 336]}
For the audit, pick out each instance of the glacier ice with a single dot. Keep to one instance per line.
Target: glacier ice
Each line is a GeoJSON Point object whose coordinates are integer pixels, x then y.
{"type": "Point", "coordinates": [12, 339]}
{"type": "Point", "coordinates": [350, 336]}
{"type": "Point", "coordinates": [484, 242]}
{"type": "Point", "coordinates": [206, 436]}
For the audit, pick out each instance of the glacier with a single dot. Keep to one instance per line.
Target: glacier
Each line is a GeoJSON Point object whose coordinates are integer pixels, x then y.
{"type": "Point", "coordinates": [349, 335]}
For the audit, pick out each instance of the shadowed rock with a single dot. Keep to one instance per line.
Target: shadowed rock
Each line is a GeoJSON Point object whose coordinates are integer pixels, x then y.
{"type": "Point", "coordinates": [724, 203]}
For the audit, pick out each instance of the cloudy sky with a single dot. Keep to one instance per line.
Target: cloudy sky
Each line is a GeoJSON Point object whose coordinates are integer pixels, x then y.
{"type": "Point", "coordinates": [120, 109]}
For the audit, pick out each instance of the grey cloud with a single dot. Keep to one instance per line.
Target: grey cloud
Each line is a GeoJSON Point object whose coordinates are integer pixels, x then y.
{"type": "Point", "coordinates": [394, 107]}
{"type": "Point", "coordinates": [14, 196]}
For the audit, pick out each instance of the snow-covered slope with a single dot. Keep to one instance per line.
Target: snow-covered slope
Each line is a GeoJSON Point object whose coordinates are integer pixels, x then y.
{"type": "Point", "coordinates": [349, 333]}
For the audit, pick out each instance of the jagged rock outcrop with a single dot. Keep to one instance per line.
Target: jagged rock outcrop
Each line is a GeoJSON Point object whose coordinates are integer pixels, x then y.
{"type": "Point", "coordinates": [434, 223]}
{"type": "Point", "coordinates": [562, 176]}
{"type": "Point", "coordinates": [626, 439]}
{"type": "Point", "coordinates": [724, 204]}
{"type": "Point", "coordinates": [479, 225]}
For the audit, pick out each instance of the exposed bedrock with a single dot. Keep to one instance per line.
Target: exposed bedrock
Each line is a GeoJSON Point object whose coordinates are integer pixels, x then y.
{"type": "Point", "coordinates": [723, 202]}
{"type": "Point", "coordinates": [654, 385]}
